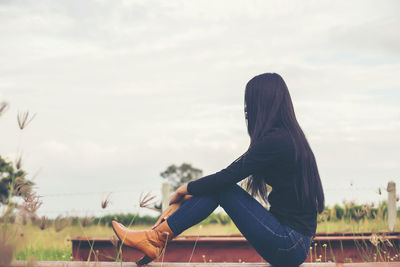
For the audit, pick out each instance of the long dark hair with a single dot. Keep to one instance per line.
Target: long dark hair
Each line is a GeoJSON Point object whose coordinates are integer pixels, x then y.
{"type": "Point", "coordinates": [268, 104]}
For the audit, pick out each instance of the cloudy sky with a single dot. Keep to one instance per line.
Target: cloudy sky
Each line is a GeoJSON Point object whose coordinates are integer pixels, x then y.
{"type": "Point", "coordinates": [122, 89]}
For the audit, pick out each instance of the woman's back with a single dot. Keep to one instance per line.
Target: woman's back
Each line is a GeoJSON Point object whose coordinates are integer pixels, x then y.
{"type": "Point", "coordinates": [282, 176]}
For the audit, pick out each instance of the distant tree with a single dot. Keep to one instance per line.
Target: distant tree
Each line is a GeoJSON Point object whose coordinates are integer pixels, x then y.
{"type": "Point", "coordinates": [179, 175]}
{"type": "Point", "coordinates": [8, 174]}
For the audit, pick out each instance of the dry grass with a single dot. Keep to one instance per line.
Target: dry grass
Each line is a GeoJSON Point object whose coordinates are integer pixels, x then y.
{"type": "Point", "coordinates": [50, 244]}
{"type": "Point", "coordinates": [376, 225]}
{"type": "Point", "coordinates": [31, 235]}
{"type": "Point", "coordinates": [17, 186]}
{"type": "Point", "coordinates": [24, 119]}
{"type": "Point", "coordinates": [3, 107]}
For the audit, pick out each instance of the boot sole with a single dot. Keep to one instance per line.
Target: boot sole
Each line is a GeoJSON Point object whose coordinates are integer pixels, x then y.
{"type": "Point", "coordinates": [145, 260]}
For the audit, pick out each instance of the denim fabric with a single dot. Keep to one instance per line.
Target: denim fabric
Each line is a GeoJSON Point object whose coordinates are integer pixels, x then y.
{"type": "Point", "coordinates": [278, 244]}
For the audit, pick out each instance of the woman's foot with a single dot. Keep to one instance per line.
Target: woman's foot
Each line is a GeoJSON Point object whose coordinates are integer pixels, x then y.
{"type": "Point", "coordinates": [151, 242]}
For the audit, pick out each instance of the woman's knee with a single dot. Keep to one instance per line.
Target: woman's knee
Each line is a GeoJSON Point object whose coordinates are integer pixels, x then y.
{"type": "Point", "coordinates": [228, 192]}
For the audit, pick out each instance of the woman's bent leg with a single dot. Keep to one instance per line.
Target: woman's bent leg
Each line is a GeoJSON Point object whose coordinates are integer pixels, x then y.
{"type": "Point", "coordinates": [278, 244]}
{"type": "Point", "coordinates": [192, 211]}
{"type": "Point", "coordinates": [257, 224]}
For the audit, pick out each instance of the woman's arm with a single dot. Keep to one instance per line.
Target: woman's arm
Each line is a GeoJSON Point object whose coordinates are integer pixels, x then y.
{"type": "Point", "coordinates": [269, 151]}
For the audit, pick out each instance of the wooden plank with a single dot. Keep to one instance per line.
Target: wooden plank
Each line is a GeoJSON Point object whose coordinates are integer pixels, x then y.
{"type": "Point", "coordinates": [392, 207]}
{"type": "Point", "coordinates": [165, 192]}
{"type": "Point", "coordinates": [182, 264]}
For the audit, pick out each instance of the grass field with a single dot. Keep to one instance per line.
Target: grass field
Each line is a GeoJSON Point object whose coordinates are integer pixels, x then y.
{"type": "Point", "coordinates": [51, 245]}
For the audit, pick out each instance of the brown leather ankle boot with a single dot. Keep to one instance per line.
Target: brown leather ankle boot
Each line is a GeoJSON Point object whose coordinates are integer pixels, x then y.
{"type": "Point", "coordinates": [150, 242]}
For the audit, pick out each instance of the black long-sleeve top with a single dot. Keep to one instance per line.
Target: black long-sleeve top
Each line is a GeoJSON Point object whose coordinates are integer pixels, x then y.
{"type": "Point", "coordinates": [272, 158]}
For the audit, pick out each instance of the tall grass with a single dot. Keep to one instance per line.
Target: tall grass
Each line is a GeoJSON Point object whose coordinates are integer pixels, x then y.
{"type": "Point", "coordinates": [18, 186]}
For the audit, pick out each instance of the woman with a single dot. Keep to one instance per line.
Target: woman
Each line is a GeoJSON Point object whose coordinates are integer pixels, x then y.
{"type": "Point", "coordinates": [278, 155]}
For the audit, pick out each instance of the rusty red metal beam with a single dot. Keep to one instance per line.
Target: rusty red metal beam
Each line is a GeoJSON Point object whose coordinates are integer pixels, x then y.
{"type": "Point", "coordinates": [340, 247]}
{"type": "Point", "coordinates": [19, 263]}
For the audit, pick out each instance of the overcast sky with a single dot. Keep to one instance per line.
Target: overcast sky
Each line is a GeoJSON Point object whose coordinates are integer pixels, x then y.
{"type": "Point", "coordinates": [122, 89]}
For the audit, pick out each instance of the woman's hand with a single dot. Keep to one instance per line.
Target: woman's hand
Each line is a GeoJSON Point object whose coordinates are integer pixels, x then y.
{"type": "Point", "coordinates": [179, 194]}
{"type": "Point", "coordinates": [170, 210]}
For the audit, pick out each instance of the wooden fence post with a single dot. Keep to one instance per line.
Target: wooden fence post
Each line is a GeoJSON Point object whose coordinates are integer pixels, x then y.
{"type": "Point", "coordinates": [165, 192]}
{"type": "Point", "coordinates": [392, 210]}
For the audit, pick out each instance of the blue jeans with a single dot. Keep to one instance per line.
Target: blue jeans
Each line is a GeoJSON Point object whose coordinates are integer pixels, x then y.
{"type": "Point", "coordinates": [278, 244]}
